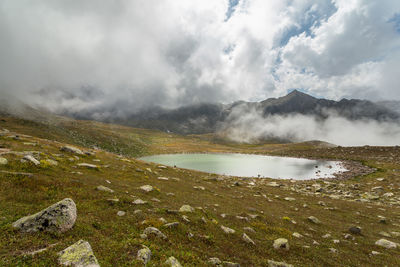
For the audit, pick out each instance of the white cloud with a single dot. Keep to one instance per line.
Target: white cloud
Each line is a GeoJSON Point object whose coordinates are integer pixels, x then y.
{"type": "Point", "coordinates": [175, 52]}
{"type": "Point", "coordinates": [250, 126]}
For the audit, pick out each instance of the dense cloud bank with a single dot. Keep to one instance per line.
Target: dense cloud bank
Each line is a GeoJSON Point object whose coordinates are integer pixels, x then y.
{"type": "Point", "coordinates": [249, 126]}
{"type": "Point", "coordinates": [126, 55]}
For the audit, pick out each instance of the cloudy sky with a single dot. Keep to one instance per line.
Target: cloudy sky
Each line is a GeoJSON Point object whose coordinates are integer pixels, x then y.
{"type": "Point", "coordinates": [74, 53]}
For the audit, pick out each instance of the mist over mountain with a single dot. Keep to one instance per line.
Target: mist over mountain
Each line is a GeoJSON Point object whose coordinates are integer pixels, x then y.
{"type": "Point", "coordinates": [294, 117]}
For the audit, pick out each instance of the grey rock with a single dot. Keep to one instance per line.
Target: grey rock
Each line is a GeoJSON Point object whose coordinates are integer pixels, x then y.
{"type": "Point", "coordinates": [59, 217]}
{"type": "Point", "coordinates": [214, 261]}
{"type": "Point", "coordinates": [249, 229]}
{"type": "Point", "coordinates": [31, 159]}
{"type": "Point", "coordinates": [71, 149]}
{"type": "Point", "coordinates": [281, 244]}
{"type": "Point", "coordinates": [231, 264]}
{"type": "Point", "coordinates": [3, 161]}
{"type": "Point", "coordinates": [144, 255]}
{"type": "Point", "coordinates": [247, 239]}
{"type": "Point", "coordinates": [121, 213]}
{"type": "Point", "coordinates": [88, 165]}
{"type": "Point", "coordinates": [289, 199]}
{"type": "Point", "coordinates": [171, 261]}
{"type": "Point", "coordinates": [171, 225]}
{"type": "Point", "coordinates": [79, 254]}
{"type": "Point", "coordinates": [314, 220]}
{"type": "Point", "coordinates": [355, 230]}
{"type": "Point", "coordinates": [104, 189]}
{"type": "Point", "coordinates": [139, 202]}
{"type": "Point", "coordinates": [386, 244]}
{"type": "Point", "coordinates": [147, 188]}
{"type": "Point", "coordinates": [186, 208]}
{"type": "Point", "coordinates": [154, 231]}
{"type": "Point", "coordinates": [297, 235]}
{"type": "Point", "coordinates": [227, 230]}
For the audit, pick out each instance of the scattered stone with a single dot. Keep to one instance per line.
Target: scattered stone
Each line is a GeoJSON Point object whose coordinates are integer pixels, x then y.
{"type": "Point", "coordinates": [382, 219]}
{"type": "Point", "coordinates": [199, 187]}
{"type": "Point", "coordinates": [139, 202]}
{"type": "Point", "coordinates": [121, 213]}
{"type": "Point", "coordinates": [79, 254]}
{"type": "Point", "coordinates": [272, 263]}
{"type": "Point", "coordinates": [171, 225]}
{"type": "Point", "coordinates": [385, 234]}
{"type": "Point", "coordinates": [289, 199]}
{"type": "Point", "coordinates": [59, 217]}
{"type": "Point", "coordinates": [249, 229]}
{"type": "Point", "coordinates": [297, 235]}
{"type": "Point", "coordinates": [173, 262]}
{"type": "Point", "coordinates": [333, 250]}
{"type": "Point", "coordinates": [163, 178]}
{"type": "Point", "coordinates": [273, 184]}
{"type": "Point", "coordinates": [147, 188]}
{"type": "Point", "coordinates": [281, 244]}
{"type": "Point", "coordinates": [155, 200]}
{"type": "Point", "coordinates": [71, 149]}
{"type": "Point", "coordinates": [32, 160]}
{"type": "Point", "coordinates": [231, 264]}
{"type": "Point", "coordinates": [227, 230]}
{"type": "Point", "coordinates": [88, 165]}
{"type": "Point", "coordinates": [32, 253]}
{"type": "Point", "coordinates": [185, 218]}
{"type": "Point", "coordinates": [154, 231]}
{"type": "Point", "coordinates": [214, 261]}
{"type": "Point", "coordinates": [349, 236]}
{"type": "Point", "coordinates": [314, 220]}
{"type": "Point", "coordinates": [386, 243]}
{"type": "Point", "coordinates": [186, 208]}
{"type": "Point", "coordinates": [144, 255]}
{"type": "Point", "coordinates": [3, 161]}
{"type": "Point", "coordinates": [395, 234]}
{"type": "Point", "coordinates": [113, 200]}
{"type": "Point", "coordinates": [104, 189]}
{"type": "Point", "coordinates": [375, 252]}
{"type": "Point", "coordinates": [355, 230]}
{"type": "Point", "coordinates": [247, 239]}
{"type": "Point", "coordinates": [326, 236]}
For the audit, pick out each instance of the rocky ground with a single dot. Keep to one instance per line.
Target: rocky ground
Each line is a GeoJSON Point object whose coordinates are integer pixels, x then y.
{"type": "Point", "coordinates": [71, 205]}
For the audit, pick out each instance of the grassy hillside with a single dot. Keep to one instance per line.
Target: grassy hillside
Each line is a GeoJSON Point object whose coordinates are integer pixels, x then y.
{"type": "Point", "coordinates": [272, 210]}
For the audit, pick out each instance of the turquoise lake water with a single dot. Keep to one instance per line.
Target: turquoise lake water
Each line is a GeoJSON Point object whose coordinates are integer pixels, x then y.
{"type": "Point", "coordinates": [247, 165]}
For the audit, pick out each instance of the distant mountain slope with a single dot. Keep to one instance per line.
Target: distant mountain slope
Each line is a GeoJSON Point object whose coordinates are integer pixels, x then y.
{"type": "Point", "coordinates": [298, 102]}
{"type": "Point", "coordinates": [205, 118]}
{"type": "Point", "coordinates": [392, 105]}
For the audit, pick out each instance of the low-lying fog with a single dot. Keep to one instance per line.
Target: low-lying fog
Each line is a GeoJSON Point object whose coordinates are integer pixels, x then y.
{"type": "Point", "coordinates": [251, 126]}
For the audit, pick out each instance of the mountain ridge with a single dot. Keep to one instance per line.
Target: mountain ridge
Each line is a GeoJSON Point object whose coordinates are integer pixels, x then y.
{"type": "Point", "coordinates": [207, 117]}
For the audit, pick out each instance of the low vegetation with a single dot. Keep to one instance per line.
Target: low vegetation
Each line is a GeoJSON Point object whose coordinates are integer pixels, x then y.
{"type": "Point", "coordinates": [264, 209]}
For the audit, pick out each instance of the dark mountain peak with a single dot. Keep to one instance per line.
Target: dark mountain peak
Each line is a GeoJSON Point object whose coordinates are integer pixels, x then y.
{"type": "Point", "coordinates": [298, 95]}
